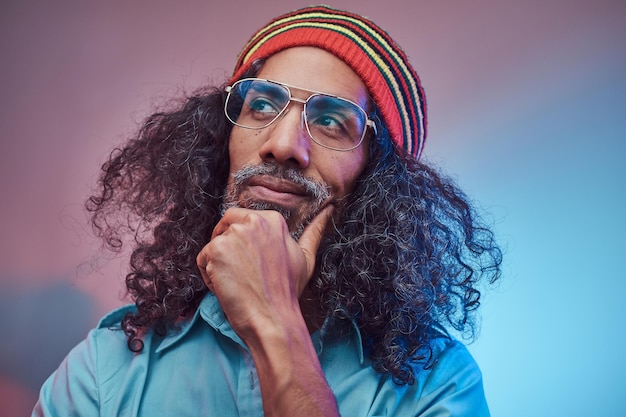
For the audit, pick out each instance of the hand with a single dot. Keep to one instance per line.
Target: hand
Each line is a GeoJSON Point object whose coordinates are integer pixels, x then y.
{"type": "Point", "coordinates": [257, 270]}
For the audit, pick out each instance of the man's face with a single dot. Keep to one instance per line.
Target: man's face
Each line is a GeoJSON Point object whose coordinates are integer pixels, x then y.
{"type": "Point", "coordinates": [280, 167]}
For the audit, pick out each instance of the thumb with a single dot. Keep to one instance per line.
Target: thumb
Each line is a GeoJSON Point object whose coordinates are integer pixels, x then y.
{"type": "Point", "coordinates": [311, 237]}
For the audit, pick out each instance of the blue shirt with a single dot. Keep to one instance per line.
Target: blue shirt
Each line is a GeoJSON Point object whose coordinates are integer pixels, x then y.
{"type": "Point", "coordinates": [204, 369]}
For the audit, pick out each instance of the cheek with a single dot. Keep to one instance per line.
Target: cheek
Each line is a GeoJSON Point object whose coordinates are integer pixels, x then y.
{"type": "Point", "coordinates": [345, 171]}
{"type": "Point", "coordinates": [240, 149]}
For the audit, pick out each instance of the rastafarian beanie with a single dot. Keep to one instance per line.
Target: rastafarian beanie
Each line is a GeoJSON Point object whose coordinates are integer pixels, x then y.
{"type": "Point", "coordinates": [384, 68]}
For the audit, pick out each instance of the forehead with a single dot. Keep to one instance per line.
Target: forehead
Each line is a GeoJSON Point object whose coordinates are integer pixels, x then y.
{"type": "Point", "coordinates": [315, 69]}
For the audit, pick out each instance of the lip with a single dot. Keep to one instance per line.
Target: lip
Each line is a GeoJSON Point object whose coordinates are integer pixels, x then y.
{"type": "Point", "coordinates": [275, 190]}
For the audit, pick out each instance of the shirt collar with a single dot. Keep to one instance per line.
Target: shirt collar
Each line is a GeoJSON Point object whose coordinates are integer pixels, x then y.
{"type": "Point", "coordinates": [174, 335]}
{"type": "Point", "coordinates": [211, 312]}
{"type": "Point", "coordinates": [334, 330]}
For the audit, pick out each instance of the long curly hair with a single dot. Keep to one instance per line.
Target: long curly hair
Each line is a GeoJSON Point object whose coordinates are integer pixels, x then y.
{"type": "Point", "coordinates": [404, 259]}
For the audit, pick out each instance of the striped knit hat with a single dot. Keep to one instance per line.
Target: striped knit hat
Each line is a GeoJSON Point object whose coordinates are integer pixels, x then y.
{"type": "Point", "coordinates": [384, 68]}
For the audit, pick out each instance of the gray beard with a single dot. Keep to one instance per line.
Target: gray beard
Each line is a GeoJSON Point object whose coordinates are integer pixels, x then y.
{"type": "Point", "coordinates": [296, 219]}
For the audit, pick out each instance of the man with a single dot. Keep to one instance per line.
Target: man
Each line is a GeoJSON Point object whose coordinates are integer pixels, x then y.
{"type": "Point", "coordinates": [293, 256]}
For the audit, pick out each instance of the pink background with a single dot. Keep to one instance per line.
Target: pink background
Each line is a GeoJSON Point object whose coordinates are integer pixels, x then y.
{"type": "Point", "coordinates": [526, 105]}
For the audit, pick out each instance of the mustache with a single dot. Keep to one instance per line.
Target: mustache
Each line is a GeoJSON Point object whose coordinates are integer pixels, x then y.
{"type": "Point", "coordinates": [317, 190]}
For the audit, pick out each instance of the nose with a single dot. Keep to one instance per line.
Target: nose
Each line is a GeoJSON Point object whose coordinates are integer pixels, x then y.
{"type": "Point", "coordinates": [288, 142]}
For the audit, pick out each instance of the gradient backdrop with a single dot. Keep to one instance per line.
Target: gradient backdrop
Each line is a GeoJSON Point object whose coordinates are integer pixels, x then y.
{"type": "Point", "coordinates": [526, 105]}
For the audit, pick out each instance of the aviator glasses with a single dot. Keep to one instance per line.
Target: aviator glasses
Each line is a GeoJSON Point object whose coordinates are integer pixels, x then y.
{"type": "Point", "coordinates": [332, 122]}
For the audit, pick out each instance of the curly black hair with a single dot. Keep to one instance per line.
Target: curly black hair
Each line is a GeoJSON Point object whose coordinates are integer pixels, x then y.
{"type": "Point", "coordinates": [403, 260]}
{"type": "Point", "coordinates": [406, 260]}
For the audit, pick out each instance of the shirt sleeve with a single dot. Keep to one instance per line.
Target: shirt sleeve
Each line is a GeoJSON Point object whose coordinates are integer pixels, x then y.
{"type": "Point", "coordinates": [72, 390]}
{"type": "Point", "coordinates": [454, 387]}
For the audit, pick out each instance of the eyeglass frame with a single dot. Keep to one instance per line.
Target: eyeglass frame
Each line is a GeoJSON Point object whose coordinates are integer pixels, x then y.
{"type": "Point", "coordinates": [368, 122]}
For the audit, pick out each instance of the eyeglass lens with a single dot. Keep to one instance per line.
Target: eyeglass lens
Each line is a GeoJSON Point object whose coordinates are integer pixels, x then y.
{"type": "Point", "coordinates": [331, 121]}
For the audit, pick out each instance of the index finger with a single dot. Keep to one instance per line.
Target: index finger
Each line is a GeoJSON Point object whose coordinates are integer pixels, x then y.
{"type": "Point", "coordinates": [232, 215]}
{"type": "Point", "coordinates": [311, 237]}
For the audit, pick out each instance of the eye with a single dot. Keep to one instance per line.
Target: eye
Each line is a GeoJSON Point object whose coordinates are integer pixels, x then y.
{"type": "Point", "coordinates": [330, 121]}
{"type": "Point", "coordinates": [264, 100]}
{"type": "Point", "coordinates": [263, 105]}
{"type": "Point", "coordinates": [334, 122]}
{"type": "Point", "coordinates": [330, 118]}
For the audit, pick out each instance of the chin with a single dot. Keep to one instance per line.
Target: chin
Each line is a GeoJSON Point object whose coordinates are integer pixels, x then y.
{"type": "Point", "coordinates": [295, 222]}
